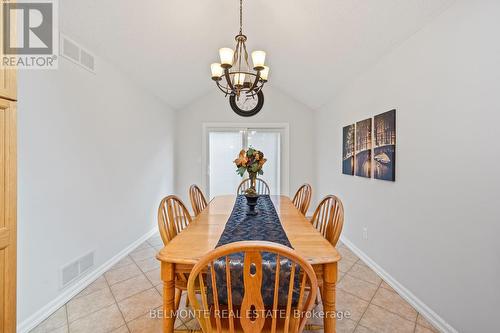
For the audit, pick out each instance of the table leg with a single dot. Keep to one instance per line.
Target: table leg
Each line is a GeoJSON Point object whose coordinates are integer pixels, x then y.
{"type": "Point", "coordinates": [168, 278]}
{"type": "Point", "coordinates": [329, 282]}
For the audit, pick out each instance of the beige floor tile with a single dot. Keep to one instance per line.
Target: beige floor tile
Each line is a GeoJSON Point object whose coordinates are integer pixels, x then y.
{"type": "Point", "coordinates": [422, 329]}
{"type": "Point", "coordinates": [127, 288]}
{"type": "Point", "coordinates": [143, 254]}
{"type": "Point", "coordinates": [123, 262]}
{"type": "Point", "coordinates": [357, 287]}
{"type": "Point", "coordinates": [345, 265]}
{"type": "Point", "coordinates": [139, 304]}
{"type": "Point", "coordinates": [160, 289]}
{"type": "Point", "coordinates": [382, 321]}
{"type": "Point", "coordinates": [102, 321]}
{"type": "Point", "coordinates": [83, 306]}
{"type": "Point", "coordinates": [351, 304]}
{"type": "Point", "coordinates": [149, 264]}
{"type": "Point", "coordinates": [340, 275]}
{"type": "Point", "coordinates": [158, 247]}
{"type": "Point", "coordinates": [345, 325]}
{"type": "Point", "coordinates": [423, 322]}
{"type": "Point", "coordinates": [347, 254]}
{"type": "Point", "coordinates": [121, 274]}
{"type": "Point", "coordinates": [361, 262]}
{"type": "Point", "coordinates": [391, 301]}
{"type": "Point", "coordinates": [145, 324]}
{"type": "Point", "coordinates": [193, 324]}
{"type": "Point", "coordinates": [123, 329]}
{"type": "Point", "coordinates": [143, 246]}
{"type": "Point", "coordinates": [63, 329]}
{"type": "Point", "coordinates": [57, 320]}
{"type": "Point", "coordinates": [362, 329]}
{"type": "Point", "coordinates": [386, 286]}
{"type": "Point", "coordinates": [364, 273]}
{"type": "Point", "coordinates": [155, 241]}
{"type": "Point", "coordinates": [154, 276]}
{"type": "Point", "coordinates": [99, 284]}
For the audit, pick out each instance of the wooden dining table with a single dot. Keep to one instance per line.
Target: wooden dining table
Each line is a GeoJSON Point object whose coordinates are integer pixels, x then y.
{"type": "Point", "coordinates": [201, 236]}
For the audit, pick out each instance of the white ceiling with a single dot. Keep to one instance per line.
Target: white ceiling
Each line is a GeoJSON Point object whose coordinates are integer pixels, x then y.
{"type": "Point", "coordinates": [314, 47]}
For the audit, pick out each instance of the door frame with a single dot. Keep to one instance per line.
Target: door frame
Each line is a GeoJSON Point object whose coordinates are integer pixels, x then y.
{"type": "Point", "coordinates": [285, 149]}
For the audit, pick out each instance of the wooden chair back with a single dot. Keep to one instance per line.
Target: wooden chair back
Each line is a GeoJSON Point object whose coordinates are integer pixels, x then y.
{"type": "Point", "coordinates": [173, 217]}
{"type": "Point", "coordinates": [302, 198]}
{"type": "Point", "coordinates": [280, 320]}
{"type": "Point", "coordinates": [329, 218]}
{"type": "Point", "coordinates": [260, 186]}
{"type": "Point", "coordinates": [198, 201]}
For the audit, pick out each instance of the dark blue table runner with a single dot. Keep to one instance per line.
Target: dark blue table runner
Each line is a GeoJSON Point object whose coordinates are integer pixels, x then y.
{"type": "Point", "coordinates": [265, 226]}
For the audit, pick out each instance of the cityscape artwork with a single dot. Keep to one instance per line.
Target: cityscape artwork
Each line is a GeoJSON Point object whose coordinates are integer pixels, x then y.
{"type": "Point", "coordinates": [348, 150]}
{"type": "Point", "coordinates": [363, 148]}
{"type": "Point", "coordinates": [385, 146]}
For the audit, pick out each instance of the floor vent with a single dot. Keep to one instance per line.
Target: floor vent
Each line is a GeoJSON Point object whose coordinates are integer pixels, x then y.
{"type": "Point", "coordinates": [72, 271]}
{"type": "Point", "coordinates": [72, 51]}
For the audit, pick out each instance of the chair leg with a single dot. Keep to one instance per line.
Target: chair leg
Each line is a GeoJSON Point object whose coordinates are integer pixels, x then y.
{"type": "Point", "coordinates": [319, 295]}
{"type": "Point", "coordinates": [187, 300]}
{"type": "Point", "coordinates": [177, 300]}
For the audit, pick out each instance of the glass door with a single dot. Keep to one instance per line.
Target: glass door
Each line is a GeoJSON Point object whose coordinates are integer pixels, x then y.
{"type": "Point", "coordinates": [269, 142]}
{"type": "Point", "coordinates": [224, 145]}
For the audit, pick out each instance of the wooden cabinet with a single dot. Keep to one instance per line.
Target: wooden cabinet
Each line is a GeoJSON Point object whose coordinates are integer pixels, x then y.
{"type": "Point", "coordinates": [7, 76]}
{"type": "Point", "coordinates": [7, 84]}
{"type": "Point", "coordinates": [8, 182]}
{"type": "Point", "coordinates": [8, 193]}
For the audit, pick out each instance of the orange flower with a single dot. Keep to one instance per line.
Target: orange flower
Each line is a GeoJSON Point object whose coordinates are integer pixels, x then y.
{"type": "Point", "coordinates": [262, 161]}
{"type": "Point", "coordinates": [242, 159]}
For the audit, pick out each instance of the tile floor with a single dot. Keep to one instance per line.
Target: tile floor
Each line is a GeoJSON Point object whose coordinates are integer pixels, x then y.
{"type": "Point", "coordinates": [120, 301]}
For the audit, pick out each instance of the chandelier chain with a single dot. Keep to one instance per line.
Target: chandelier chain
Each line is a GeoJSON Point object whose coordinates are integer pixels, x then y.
{"type": "Point", "coordinates": [241, 17]}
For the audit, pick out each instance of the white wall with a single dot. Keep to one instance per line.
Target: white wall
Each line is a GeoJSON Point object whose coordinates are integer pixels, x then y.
{"type": "Point", "coordinates": [435, 230]}
{"type": "Point", "coordinates": [95, 158]}
{"type": "Point", "coordinates": [214, 107]}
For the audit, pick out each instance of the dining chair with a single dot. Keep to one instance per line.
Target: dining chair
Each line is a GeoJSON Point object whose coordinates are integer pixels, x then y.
{"type": "Point", "coordinates": [289, 314]}
{"type": "Point", "coordinates": [302, 198]}
{"type": "Point", "coordinates": [198, 201]}
{"type": "Point", "coordinates": [173, 217]}
{"type": "Point", "coordinates": [328, 218]}
{"type": "Point", "coordinates": [260, 186]}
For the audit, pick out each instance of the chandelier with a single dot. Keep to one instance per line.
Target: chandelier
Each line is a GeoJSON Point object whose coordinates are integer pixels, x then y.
{"type": "Point", "coordinates": [236, 79]}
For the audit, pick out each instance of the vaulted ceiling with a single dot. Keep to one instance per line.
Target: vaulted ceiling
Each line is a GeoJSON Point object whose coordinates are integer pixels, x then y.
{"type": "Point", "coordinates": [314, 47]}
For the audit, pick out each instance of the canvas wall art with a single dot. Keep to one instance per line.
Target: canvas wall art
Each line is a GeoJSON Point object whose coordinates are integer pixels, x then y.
{"type": "Point", "coordinates": [385, 146]}
{"type": "Point", "coordinates": [363, 148]}
{"type": "Point", "coordinates": [348, 150]}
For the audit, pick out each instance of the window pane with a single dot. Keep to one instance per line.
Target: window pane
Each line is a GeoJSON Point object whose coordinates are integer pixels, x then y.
{"type": "Point", "coordinates": [224, 147]}
{"type": "Point", "coordinates": [269, 143]}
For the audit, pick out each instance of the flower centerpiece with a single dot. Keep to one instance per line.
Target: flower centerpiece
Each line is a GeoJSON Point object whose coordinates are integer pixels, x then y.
{"type": "Point", "coordinates": [251, 161]}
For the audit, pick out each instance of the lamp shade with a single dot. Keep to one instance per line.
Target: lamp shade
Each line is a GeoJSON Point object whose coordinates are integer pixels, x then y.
{"type": "Point", "coordinates": [226, 57]}
{"type": "Point", "coordinates": [217, 70]}
{"type": "Point", "coordinates": [258, 58]}
{"type": "Point", "coordinates": [264, 73]}
{"type": "Point", "coordinates": [239, 79]}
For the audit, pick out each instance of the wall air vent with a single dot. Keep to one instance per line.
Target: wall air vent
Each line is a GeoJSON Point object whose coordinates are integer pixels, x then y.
{"type": "Point", "coordinates": [74, 270]}
{"type": "Point", "coordinates": [72, 51]}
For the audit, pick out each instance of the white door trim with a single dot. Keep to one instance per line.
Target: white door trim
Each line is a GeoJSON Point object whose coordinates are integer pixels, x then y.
{"type": "Point", "coordinates": [285, 163]}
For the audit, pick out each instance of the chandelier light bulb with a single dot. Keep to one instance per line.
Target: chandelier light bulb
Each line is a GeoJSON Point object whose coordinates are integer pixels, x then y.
{"type": "Point", "coordinates": [239, 79]}
{"type": "Point", "coordinates": [258, 58]}
{"type": "Point", "coordinates": [217, 70]}
{"type": "Point", "coordinates": [226, 57]}
{"type": "Point", "coordinates": [264, 73]}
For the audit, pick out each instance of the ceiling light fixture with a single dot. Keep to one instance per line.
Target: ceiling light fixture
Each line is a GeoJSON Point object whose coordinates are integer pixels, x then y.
{"type": "Point", "coordinates": [234, 76]}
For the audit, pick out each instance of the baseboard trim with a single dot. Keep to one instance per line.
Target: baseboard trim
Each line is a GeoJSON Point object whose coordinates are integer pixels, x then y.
{"type": "Point", "coordinates": [71, 291]}
{"type": "Point", "coordinates": [433, 318]}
